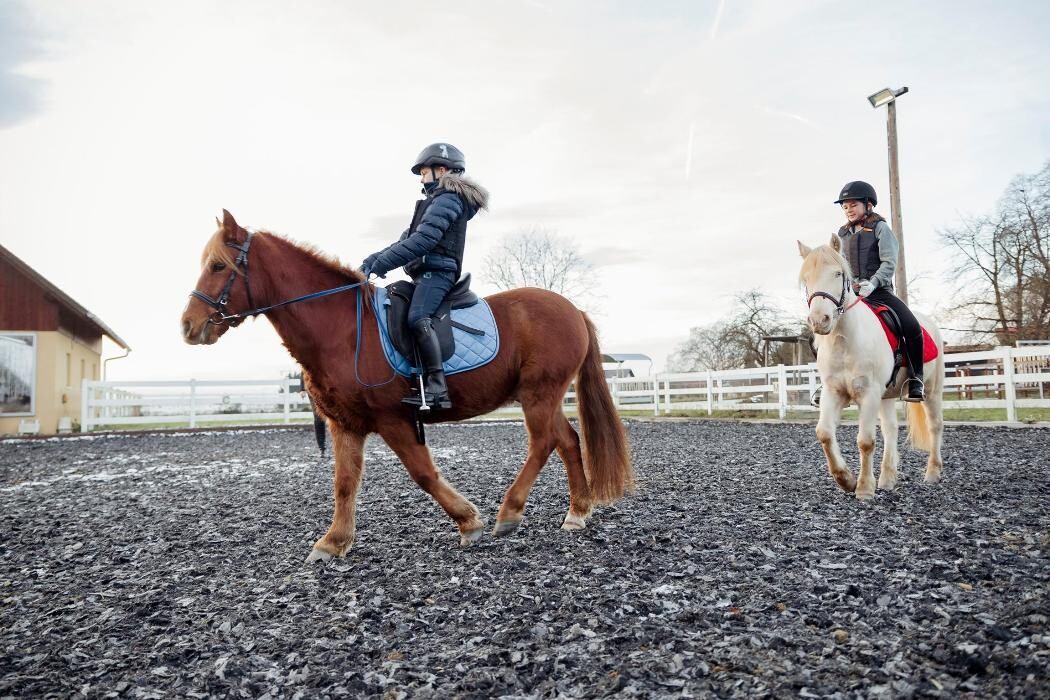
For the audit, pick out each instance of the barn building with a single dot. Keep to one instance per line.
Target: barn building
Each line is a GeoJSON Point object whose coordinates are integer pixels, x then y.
{"type": "Point", "coordinates": [49, 344]}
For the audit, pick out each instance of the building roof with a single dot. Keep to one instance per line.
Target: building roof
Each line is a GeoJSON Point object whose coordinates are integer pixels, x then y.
{"type": "Point", "coordinates": [61, 297]}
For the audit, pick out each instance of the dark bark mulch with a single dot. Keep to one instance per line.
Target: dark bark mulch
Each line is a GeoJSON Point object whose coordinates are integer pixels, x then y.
{"type": "Point", "coordinates": [172, 565]}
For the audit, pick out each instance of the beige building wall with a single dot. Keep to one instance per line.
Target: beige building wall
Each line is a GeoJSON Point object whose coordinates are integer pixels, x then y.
{"type": "Point", "coordinates": [62, 363]}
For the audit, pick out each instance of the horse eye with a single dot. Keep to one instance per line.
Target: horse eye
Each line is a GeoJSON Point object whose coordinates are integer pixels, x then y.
{"type": "Point", "coordinates": [218, 267]}
{"type": "Point", "coordinates": [838, 274]}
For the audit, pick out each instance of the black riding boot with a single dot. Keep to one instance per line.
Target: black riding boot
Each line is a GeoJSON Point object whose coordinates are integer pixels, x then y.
{"type": "Point", "coordinates": [916, 390]}
{"type": "Point", "coordinates": [430, 358]}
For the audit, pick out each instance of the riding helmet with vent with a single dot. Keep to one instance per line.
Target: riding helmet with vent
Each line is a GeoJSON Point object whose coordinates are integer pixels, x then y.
{"type": "Point", "coordinates": [440, 154]}
{"type": "Point", "coordinates": [858, 189]}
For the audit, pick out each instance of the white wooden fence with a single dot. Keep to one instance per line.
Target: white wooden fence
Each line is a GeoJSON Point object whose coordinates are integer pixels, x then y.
{"type": "Point", "coordinates": [192, 402]}
{"type": "Point", "coordinates": [1005, 378]}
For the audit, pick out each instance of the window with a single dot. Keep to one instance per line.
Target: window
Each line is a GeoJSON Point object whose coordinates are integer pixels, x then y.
{"type": "Point", "coordinates": [17, 374]}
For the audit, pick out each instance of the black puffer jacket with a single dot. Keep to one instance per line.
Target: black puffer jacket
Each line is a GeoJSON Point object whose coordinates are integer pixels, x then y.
{"type": "Point", "coordinates": [436, 237]}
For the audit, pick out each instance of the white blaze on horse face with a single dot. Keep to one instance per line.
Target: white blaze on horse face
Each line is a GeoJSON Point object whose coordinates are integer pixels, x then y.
{"type": "Point", "coordinates": [822, 311]}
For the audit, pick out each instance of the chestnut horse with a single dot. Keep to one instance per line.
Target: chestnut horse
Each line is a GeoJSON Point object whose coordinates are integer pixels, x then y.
{"type": "Point", "coordinates": [545, 344]}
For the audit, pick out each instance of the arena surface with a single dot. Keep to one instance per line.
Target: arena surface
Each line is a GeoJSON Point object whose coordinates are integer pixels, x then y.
{"type": "Point", "coordinates": [165, 565]}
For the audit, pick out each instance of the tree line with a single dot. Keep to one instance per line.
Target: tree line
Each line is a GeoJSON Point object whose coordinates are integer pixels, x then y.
{"type": "Point", "coordinates": [999, 271]}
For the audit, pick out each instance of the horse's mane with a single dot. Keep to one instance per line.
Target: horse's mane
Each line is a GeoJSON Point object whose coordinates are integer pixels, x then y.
{"type": "Point", "coordinates": [821, 256]}
{"type": "Point", "coordinates": [217, 251]}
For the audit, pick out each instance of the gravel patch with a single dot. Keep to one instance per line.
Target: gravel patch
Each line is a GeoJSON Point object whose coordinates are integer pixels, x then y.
{"type": "Point", "coordinates": [161, 565]}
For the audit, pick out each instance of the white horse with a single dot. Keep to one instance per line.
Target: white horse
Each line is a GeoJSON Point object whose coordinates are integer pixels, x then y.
{"type": "Point", "coordinates": [855, 362]}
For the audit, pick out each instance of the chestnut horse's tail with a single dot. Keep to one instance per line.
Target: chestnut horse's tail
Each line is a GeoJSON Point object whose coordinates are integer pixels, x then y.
{"type": "Point", "coordinates": [605, 455]}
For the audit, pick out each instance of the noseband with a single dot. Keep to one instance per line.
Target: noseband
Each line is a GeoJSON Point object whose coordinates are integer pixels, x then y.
{"type": "Point", "coordinates": [240, 265]}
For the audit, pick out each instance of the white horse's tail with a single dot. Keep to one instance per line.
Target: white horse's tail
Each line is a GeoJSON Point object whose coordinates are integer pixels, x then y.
{"type": "Point", "coordinates": [919, 435]}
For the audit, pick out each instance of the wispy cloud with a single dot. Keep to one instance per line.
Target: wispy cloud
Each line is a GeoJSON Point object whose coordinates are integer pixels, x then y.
{"type": "Point", "coordinates": [718, 19]}
{"type": "Point", "coordinates": [20, 94]}
{"type": "Point", "coordinates": [790, 115]}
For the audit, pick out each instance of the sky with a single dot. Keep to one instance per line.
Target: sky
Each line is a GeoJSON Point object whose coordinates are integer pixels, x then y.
{"type": "Point", "coordinates": [684, 146]}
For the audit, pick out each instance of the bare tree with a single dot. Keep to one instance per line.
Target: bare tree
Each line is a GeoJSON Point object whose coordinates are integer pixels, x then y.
{"type": "Point", "coordinates": [538, 257]}
{"type": "Point", "coordinates": [1002, 263]}
{"type": "Point", "coordinates": [736, 340]}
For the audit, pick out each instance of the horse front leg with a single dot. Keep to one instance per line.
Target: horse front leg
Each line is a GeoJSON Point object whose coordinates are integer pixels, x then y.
{"type": "Point", "coordinates": [869, 411]}
{"type": "Point", "coordinates": [890, 453]}
{"type": "Point", "coordinates": [349, 449]}
{"type": "Point", "coordinates": [420, 465]}
{"type": "Point", "coordinates": [831, 405]}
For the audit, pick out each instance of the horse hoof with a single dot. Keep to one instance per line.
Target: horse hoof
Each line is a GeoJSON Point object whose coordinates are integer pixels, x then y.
{"type": "Point", "coordinates": [505, 527]}
{"type": "Point", "coordinates": [932, 478]}
{"type": "Point", "coordinates": [573, 522]}
{"type": "Point", "coordinates": [318, 555]}
{"type": "Point", "coordinates": [888, 485]}
{"type": "Point", "coordinates": [865, 495]}
{"type": "Point", "coordinates": [470, 536]}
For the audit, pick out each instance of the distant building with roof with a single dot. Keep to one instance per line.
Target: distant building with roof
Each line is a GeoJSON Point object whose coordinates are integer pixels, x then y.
{"type": "Point", "coordinates": [49, 344]}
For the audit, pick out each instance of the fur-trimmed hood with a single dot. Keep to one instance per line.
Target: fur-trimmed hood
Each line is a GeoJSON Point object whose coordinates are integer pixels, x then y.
{"type": "Point", "coordinates": [472, 193]}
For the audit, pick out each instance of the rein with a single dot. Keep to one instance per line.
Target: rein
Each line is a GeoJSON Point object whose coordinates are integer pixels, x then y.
{"type": "Point", "coordinates": [241, 264]}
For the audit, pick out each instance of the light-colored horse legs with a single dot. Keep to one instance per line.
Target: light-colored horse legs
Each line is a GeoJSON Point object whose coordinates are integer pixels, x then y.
{"type": "Point", "coordinates": [420, 465]}
{"type": "Point", "coordinates": [890, 454]}
{"type": "Point", "coordinates": [548, 429]}
{"type": "Point", "coordinates": [935, 419]}
{"type": "Point", "coordinates": [831, 404]}
{"type": "Point", "coordinates": [869, 410]}
{"type": "Point", "coordinates": [349, 466]}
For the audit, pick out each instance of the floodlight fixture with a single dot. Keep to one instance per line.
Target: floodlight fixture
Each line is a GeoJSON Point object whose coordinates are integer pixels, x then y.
{"type": "Point", "coordinates": [885, 96]}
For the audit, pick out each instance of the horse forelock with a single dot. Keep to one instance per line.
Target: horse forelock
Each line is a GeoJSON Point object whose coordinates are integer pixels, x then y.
{"type": "Point", "coordinates": [217, 251]}
{"type": "Point", "coordinates": [822, 256]}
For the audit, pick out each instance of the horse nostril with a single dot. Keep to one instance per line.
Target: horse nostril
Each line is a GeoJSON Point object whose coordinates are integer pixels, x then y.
{"type": "Point", "coordinates": [186, 328]}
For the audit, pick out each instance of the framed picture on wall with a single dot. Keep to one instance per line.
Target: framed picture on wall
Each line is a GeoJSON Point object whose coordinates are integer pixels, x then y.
{"type": "Point", "coordinates": [17, 374]}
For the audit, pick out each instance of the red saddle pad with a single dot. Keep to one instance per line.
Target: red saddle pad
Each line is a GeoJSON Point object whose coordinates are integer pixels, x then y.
{"type": "Point", "coordinates": [929, 348]}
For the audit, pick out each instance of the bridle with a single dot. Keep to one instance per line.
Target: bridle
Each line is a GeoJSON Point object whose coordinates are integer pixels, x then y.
{"type": "Point", "coordinates": [840, 303]}
{"type": "Point", "coordinates": [240, 265]}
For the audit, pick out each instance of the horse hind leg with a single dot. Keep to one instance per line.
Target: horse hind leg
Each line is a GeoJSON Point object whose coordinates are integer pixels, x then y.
{"type": "Point", "coordinates": [421, 467]}
{"type": "Point", "coordinates": [540, 424]}
{"type": "Point", "coordinates": [890, 454]}
{"type": "Point", "coordinates": [935, 421]}
{"type": "Point", "coordinates": [580, 503]}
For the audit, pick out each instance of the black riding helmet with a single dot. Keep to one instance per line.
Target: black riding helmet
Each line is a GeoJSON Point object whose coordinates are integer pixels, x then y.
{"type": "Point", "coordinates": [858, 189]}
{"type": "Point", "coordinates": [440, 154]}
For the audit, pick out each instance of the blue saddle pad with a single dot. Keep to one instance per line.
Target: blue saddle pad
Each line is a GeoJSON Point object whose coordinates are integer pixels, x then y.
{"type": "Point", "coordinates": [472, 351]}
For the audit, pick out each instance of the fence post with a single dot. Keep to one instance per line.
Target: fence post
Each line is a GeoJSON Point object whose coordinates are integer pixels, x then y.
{"type": "Point", "coordinates": [667, 394]}
{"type": "Point", "coordinates": [782, 386]}
{"type": "Point", "coordinates": [615, 392]}
{"type": "Point", "coordinates": [193, 403]}
{"type": "Point", "coordinates": [656, 395]}
{"type": "Point", "coordinates": [710, 392]}
{"type": "Point", "coordinates": [85, 422]}
{"type": "Point", "coordinates": [288, 401]}
{"type": "Point", "coordinates": [1010, 391]}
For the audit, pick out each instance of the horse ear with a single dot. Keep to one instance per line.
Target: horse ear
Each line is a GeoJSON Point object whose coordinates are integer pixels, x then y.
{"type": "Point", "coordinates": [231, 230]}
{"type": "Point", "coordinates": [804, 249]}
